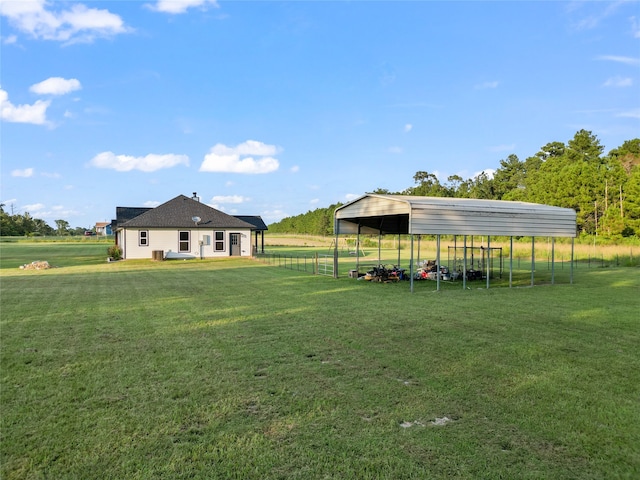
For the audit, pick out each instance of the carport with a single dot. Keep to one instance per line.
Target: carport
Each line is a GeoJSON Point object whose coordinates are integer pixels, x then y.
{"type": "Point", "coordinates": [413, 215]}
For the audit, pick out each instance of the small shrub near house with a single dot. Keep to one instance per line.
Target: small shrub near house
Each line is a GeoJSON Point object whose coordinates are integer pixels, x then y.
{"type": "Point", "coordinates": [114, 252]}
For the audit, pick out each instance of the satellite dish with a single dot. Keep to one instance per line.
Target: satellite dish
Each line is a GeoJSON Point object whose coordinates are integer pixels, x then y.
{"type": "Point", "coordinates": [195, 219]}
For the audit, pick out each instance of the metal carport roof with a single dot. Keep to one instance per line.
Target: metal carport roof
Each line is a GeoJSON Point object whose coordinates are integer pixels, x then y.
{"type": "Point", "coordinates": [400, 214]}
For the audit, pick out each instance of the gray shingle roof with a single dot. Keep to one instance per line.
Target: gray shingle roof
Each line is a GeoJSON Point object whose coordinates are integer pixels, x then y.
{"type": "Point", "coordinates": [178, 213]}
{"type": "Point", "coordinates": [254, 220]}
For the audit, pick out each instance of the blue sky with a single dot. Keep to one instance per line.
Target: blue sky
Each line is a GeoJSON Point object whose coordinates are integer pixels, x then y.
{"type": "Point", "coordinates": [276, 108]}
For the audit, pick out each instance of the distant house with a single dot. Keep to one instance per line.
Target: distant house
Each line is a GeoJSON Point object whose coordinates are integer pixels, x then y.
{"type": "Point", "coordinates": [184, 227]}
{"type": "Point", "coordinates": [103, 228]}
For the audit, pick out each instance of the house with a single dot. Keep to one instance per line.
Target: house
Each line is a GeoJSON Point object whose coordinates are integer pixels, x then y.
{"type": "Point", "coordinates": [183, 227]}
{"type": "Point", "coordinates": [103, 228]}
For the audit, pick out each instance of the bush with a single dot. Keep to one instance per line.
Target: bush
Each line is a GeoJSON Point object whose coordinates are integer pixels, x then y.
{"type": "Point", "coordinates": [115, 252]}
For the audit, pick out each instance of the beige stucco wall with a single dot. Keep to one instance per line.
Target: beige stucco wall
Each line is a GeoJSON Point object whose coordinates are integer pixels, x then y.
{"type": "Point", "coordinates": [167, 240]}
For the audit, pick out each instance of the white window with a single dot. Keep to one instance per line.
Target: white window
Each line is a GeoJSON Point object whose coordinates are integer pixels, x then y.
{"type": "Point", "coordinates": [143, 238]}
{"type": "Point", "coordinates": [184, 244]}
{"type": "Point", "coordinates": [219, 241]}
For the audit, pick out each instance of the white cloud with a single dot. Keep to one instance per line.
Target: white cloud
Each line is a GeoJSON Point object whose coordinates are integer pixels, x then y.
{"type": "Point", "coordinates": [408, 127]}
{"type": "Point", "coordinates": [35, 114]}
{"type": "Point", "coordinates": [148, 163]}
{"type": "Point", "coordinates": [635, 27]}
{"type": "Point", "coordinates": [229, 199]}
{"type": "Point", "coordinates": [25, 173]}
{"type": "Point", "coordinates": [56, 86]}
{"type": "Point", "coordinates": [351, 196]}
{"type": "Point", "coordinates": [11, 39]}
{"type": "Point", "coordinates": [629, 114]}
{"type": "Point", "coordinates": [271, 216]}
{"type": "Point", "coordinates": [314, 201]}
{"type": "Point", "coordinates": [395, 150]}
{"type": "Point", "coordinates": [34, 207]}
{"type": "Point", "coordinates": [485, 85]}
{"type": "Point", "coordinates": [594, 15]}
{"type": "Point", "coordinates": [75, 24]}
{"type": "Point", "coordinates": [295, 169]}
{"type": "Point", "coordinates": [151, 203]}
{"type": "Point", "coordinates": [619, 59]}
{"type": "Point", "coordinates": [180, 6]}
{"type": "Point", "coordinates": [236, 159]}
{"type": "Point", "coordinates": [618, 82]}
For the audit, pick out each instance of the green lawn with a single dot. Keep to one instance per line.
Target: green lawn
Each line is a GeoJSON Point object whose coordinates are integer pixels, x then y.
{"type": "Point", "coordinates": [237, 369]}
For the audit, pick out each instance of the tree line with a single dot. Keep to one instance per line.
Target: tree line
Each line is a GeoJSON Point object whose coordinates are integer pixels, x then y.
{"type": "Point", "coordinates": [604, 190]}
{"type": "Point", "coordinates": [20, 225]}
{"type": "Point", "coordinates": [315, 222]}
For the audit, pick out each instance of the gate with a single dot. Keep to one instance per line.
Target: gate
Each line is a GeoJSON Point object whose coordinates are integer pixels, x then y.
{"type": "Point", "coordinates": [325, 265]}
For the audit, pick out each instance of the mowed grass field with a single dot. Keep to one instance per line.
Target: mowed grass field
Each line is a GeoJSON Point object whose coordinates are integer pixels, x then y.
{"type": "Point", "coordinates": [237, 369]}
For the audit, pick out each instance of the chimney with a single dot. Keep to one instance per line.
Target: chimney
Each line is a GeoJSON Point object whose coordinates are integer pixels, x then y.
{"type": "Point", "coordinates": [195, 197]}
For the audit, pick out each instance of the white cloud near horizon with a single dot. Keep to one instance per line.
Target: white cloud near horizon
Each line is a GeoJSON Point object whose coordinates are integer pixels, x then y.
{"type": "Point", "coordinates": [56, 86]}
{"type": "Point", "coordinates": [148, 163]}
{"type": "Point", "coordinates": [180, 6]}
{"type": "Point", "coordinates": [78, 23]}
{"type": "Point", "coordinates": [35, 114]}
{"type": "Point", "coordinates": [618, 82]}
{"type": "Point", "coordinates": [34, 207]}
{"type": "Point", "coordinates": [240, 159]}
{"type": "Point", "coordinates": [24, 173]}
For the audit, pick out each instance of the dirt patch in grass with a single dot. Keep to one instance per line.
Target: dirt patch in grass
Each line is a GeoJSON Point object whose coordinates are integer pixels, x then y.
{"type": "Point", "coordinates": [37, 265]}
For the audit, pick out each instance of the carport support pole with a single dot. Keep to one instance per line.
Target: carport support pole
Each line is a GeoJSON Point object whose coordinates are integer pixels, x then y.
{"type": "Point", "coordinates": [411, 262]}
{"type": "Point", "coordinates": [379, 242]}
{"type": "Point", "coordinates": [533, 258]}
{"type": "Point", "coordinates": [510, 262]}
{"type": "Point", "coordinates": [438, 262]}
{"type": "Point", "coordinates": [488, 258]}
{"type": "Point", "coordinates": [398, 250]}
{"type": "Point", "coordinates": [335, 257]}
{"type": "Point", "coordinates": [358, 251]}
{"type": "Point", "coordinates": [553, 260]}
{"type": "Point", "coordinates": [571, 269]}
{"type": "Point", "coordinates": [464, 264]}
